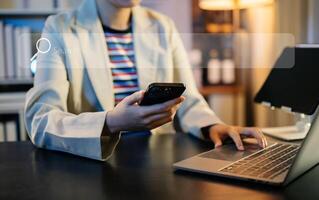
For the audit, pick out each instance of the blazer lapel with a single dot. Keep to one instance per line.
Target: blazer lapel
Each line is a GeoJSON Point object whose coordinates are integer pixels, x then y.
{"type": "Point", "coordinates": [94, 52]}
{"type": "Point", "coordinates": [145, 44]}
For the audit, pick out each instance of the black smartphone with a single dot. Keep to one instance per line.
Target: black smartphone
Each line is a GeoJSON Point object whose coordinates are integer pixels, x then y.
{"type": "Point", "coordinates": [161, 92]}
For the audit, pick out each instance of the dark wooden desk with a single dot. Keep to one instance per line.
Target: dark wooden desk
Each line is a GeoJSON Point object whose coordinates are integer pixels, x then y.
{"type": "Point", "coordinates": [140, 169]}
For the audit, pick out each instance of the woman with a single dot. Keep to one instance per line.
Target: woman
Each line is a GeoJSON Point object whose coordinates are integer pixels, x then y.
{"type": "Point", "coordinates": [87, 87]}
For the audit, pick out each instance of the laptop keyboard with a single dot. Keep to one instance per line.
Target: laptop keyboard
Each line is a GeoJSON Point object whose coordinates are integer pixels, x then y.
{"type": "Point", "coordinates": [267, 163]}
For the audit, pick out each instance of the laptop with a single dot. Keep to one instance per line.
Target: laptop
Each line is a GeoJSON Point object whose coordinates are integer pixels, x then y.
{"type": "Point", "coordinates": [277, 164]}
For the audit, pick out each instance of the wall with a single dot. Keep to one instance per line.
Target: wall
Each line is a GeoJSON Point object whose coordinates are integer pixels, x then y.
{"type": "Point", "coordinates": [179, 11]}
{"type": "Point", "coordinates": [313, 22]}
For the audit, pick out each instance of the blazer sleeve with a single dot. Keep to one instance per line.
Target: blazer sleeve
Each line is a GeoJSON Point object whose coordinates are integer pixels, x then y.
{"type": "Point", "coordinates": [194, 113]}
{"type": "Point", "coordinates": [48, 122]}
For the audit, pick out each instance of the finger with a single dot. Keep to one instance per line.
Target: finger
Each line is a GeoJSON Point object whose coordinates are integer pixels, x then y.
{"type": "Point", "coordinates": [256, 134]}
{"type": "Point", "coordinates": [153, 118]}
{"type": "Point", "coordinates": [216, 139]}
{"type": "Point", "coordinates": [134, 98]}
{"type": "Point", "coordinates": [159, 116]}
{"type": "Point", "coordinates": [263, 138]}
{"type": "Point", "coordinates": [174, 102]}
{"type": "Point", "coordinates": [175, 108]}
{"type": "Point", "coordinates": [235, 136]}
{"type": "Point", "coordinates": [160, 122]}
{"type": "Point", "coordinates": [160, 108]}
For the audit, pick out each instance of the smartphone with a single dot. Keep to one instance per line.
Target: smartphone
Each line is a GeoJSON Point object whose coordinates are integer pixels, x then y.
{"type": "Point", "coordinates": [157, 93]}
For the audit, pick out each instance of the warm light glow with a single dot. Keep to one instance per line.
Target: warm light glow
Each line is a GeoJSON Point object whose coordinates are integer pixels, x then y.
{"type": "Point", "coordinates": [217, 4]}
{"type": "Point", "coordinates": [254, 3]}
{"type": "Point", "coordinates": [232, 4]}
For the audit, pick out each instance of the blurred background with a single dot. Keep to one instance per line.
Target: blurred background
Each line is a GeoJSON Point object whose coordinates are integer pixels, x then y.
{"type": "Point", "coordinates": [232, 45]}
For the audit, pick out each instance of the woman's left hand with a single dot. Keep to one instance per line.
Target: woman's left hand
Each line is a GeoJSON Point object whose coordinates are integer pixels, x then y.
{"type": "Point", "coordinates": [219, 132]}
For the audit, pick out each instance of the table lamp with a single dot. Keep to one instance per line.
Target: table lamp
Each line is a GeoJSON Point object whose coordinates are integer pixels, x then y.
{"type": "Point", "coordinates": [232, 4]}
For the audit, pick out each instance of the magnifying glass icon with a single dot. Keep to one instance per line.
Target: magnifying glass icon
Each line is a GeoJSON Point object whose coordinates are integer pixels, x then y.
{"type": "Point", "coordinates": [47, 45]}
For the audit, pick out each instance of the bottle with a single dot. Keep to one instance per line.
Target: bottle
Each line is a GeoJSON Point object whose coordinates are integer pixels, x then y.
{"type": "Point", "coordinates": [214, 68]}
{"type": "Point", "coordinates": [228, 68]}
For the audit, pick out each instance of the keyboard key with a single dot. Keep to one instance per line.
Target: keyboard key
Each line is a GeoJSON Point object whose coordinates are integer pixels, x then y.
{"type": "Point", "coordinates": [267, 163]}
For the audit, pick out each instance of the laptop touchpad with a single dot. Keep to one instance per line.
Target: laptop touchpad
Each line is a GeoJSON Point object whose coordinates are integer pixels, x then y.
{"type": "Point", "coordinates": [230, 153]}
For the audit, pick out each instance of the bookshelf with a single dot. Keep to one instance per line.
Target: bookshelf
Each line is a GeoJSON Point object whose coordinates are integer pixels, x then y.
{"type": "Point", "coordinates": [13, 88]}
{"type": "Point", "coordinates": [221, 81]}
{"type": "Point", "coordinates": [27, 12]}
{"type": "Point", "coordinates": [34, 21]}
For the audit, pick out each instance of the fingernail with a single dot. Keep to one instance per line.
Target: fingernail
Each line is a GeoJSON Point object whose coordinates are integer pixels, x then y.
{"type": "Point", "coordinates": [241, 148]}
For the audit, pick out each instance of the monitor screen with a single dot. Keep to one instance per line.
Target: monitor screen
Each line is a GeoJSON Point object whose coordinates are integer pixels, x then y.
{"type": "Point", "coordinates": [294, 87]}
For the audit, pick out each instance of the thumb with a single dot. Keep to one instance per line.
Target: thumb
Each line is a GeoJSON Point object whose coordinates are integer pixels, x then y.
{"type": "Point", "coordinates": [134, 98]}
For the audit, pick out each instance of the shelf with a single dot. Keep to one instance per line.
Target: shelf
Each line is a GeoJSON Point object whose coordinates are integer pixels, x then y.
{"type": "Point", "coordinates": [11, 103]}
{"type": "Point", "coordinates": [15, 81]}
{"type": "Point", "coordinates": [28, 12]}
{"type": "Point", "coordinates": [17, 96]}
{"type": "Point", "coordinates": [12, 86]}
{"type": "Point", "coordinates": [220, 89]}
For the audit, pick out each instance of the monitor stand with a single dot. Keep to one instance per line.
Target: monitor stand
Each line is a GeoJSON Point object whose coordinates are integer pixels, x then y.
{"type": "Point", "coordinates": [291, 133]}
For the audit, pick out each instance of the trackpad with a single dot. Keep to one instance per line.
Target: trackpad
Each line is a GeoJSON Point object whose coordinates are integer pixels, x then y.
{"type": "Point", "coordinates": [230, 153]}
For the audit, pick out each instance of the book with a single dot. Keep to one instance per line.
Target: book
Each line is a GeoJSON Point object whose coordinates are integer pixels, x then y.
{"type": "Point", "coordinates": [26, 52]}
{"type": "Point", "coordinates": [2, 51]}
{"type": "Point", "coordinates": [5, 4]}
{"type": "Point", "coordinates": [23, 53]}
{"type": "Point", "coordinates": [65, 5]}
{"type": "Point", "coordinates": [19, 4]}
{"type": "Point", "coordinates": [20, 36]}
{"type": "Point", "coordinates": [35, 24]}
{"type": "Point", "coordinates": [9, 65]}
{"type": "Point", "coordinates": [2, 132]}
{"type": "Point", "coordinates": [11, 131]}
{"type": "Point", "coordinates": [23, 134]}
{"type": "Point", "coordinates": [18, 57]}
{"type": "Point", "coordinates": [41, 4]}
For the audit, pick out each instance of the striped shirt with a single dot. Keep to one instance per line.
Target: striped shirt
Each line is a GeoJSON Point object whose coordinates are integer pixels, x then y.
{"type": "Point", "coordinates": [122, 57]}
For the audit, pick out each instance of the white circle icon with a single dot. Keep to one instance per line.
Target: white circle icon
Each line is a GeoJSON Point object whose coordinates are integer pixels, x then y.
{"type": "Point", "coordinates": [47, 45]}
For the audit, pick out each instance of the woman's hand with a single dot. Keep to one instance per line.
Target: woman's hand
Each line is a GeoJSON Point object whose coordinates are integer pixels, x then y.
{"type": "Point", "coordinates": [129, 116]}
{"type": "Point", "coordinates": [219, 132]}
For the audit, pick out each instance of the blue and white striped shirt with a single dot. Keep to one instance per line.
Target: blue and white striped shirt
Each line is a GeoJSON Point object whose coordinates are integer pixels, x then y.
{"type": "Point", "coordinates": [122, 57]}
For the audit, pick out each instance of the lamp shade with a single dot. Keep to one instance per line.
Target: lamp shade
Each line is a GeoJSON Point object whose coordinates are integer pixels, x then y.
{"type": "Point", "coordinates": [254, 3]}
{"type": "Point", "coordinates": [232, 4]}
{"type": "Point", "coordinates": [217, 4]}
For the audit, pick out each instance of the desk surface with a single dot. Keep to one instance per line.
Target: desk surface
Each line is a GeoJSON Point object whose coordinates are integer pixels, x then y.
{"type": "Point", "coordinates": [141, 168]}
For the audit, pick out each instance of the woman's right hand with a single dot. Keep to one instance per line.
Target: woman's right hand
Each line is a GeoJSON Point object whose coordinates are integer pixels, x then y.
{"type": "Point", "coordinates": [129, 116]}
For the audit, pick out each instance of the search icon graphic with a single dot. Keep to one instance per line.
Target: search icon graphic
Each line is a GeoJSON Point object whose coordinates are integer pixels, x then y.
{"type": "Point", "coordinates": [47, 46]}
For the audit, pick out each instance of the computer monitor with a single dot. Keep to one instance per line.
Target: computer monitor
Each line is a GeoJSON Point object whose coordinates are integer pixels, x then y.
{"type": "Point", "coordinates": [293, 87]}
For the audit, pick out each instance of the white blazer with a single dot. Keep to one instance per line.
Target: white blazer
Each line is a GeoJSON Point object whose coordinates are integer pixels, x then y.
{"type": "Point", "coordinates": [73, 88]}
